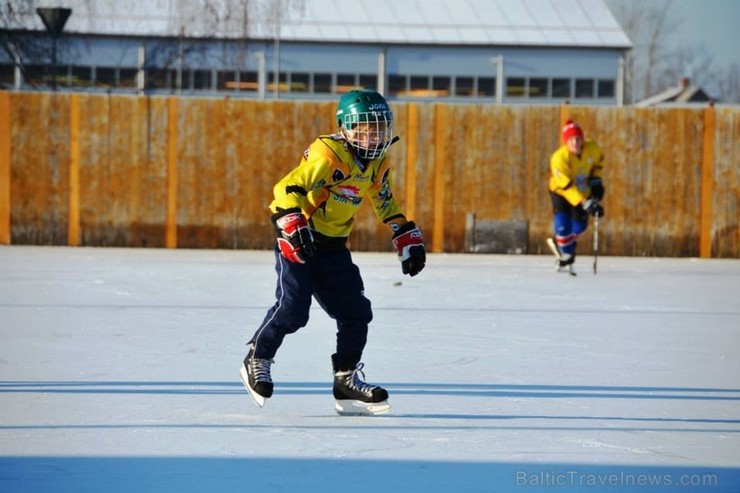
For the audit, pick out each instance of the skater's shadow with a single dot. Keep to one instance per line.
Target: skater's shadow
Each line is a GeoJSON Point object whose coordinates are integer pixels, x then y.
{"type": "Point", "coordinates": [564, 391]}
{"type": "Point", "coordinates": [461, 390]}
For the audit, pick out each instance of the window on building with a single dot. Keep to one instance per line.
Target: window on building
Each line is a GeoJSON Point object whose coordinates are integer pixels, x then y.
{"type": "Point", "coordinates": [115, 77]}
{"type": "Point", "coordinates": [538, 87]}
{"type": "Point", "coordinates": [464, 86]}
{"type": "Point", "coordinates": [249, 81]}
{"type": "Point", "coordinates": [605, 88]}
{"type": "Point", "coordinates": [300, 82]}
{"type": "Point", "coordinates": [486, 86]}
{"type": "Point", "coordinates": [236, 81]}
{"type": "Point", "coordinates": [346, 82]}
{"type": "Point", "coordinates": [226, 80]}
{"type": "Point", "coordinates": [160, 78]}
{"type": "Point", "coordinates": [396, 84]}
{"type": "Point", "coordinates": [322, 83]}
{"type": "Point", "coordinates": [127, 77]}
{"type": "Point", "coordinates": [585, 88]}
{"type": "Point", "coordinates": [106, 76]}
{"type": "Point", "coordinates": [441, 85]}
{"type": "Point", "coordinates": [419, 85]}
{"type": "Point", "coordinates": [7, 75]}
{"type": "Point", "coordinates": [200, 79]}
{"type": "Point", "coordinates": [37, 74]}
{"type": "Point", "coordinates": [369, 81]}
{"type": "Point", "coordinates": [418, 82]}
{"type": "Point", "coordinates": [76, 77]}
{"type": "Point", "coordinates": [516, 87]}
{"type": "Point", "coordinates": [561, 88]}
{"type": "Point", "coordinates": [282, 82]}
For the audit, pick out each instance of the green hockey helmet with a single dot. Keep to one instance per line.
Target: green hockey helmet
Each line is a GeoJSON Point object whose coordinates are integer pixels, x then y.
{"type": "Point", "coordinates": [366, 121]}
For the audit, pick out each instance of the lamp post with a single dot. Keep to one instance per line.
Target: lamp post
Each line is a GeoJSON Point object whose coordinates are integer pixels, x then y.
{"type": "Point", "coordinates": [54, 20]}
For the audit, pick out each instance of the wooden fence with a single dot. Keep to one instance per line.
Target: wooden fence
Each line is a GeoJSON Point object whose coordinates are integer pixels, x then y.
{"type": "Point", "coordinates": [114, 170]}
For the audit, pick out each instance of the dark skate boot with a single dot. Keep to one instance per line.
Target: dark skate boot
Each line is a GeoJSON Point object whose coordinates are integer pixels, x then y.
{"type": "Point", "coordinates": [563, 261]}
{"type": "Point", "coordinates": [353, 395]}
{"type": "Point", "coordinates": [255, 373]}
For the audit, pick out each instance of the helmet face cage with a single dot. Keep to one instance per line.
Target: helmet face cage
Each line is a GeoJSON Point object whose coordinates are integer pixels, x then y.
{"type": "Point", "coordinates": [366, 121]}
{"type": "Point", "coordinates": [369, 133]}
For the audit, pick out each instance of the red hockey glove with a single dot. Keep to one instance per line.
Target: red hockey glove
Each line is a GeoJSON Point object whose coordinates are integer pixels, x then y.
{"type": "Point", "coordinates": [410, 247]}
{"type": "Point", "coordinates": [295, 239]}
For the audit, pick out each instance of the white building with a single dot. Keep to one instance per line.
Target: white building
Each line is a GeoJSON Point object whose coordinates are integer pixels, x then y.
{"type": "Point", "coordinates": [498, 51]}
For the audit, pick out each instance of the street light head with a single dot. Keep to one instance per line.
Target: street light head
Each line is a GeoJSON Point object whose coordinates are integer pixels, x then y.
{"type": "Point", "coordinates": [54, 19]}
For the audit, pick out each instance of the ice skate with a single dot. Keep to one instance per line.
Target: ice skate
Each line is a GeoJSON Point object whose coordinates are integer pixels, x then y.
{"type": "Point", "coordinates": [563, 261]}
{"type": "Point", "coordinates": [255, 373]}
{"type": "Point", "coordinates": [565, 264]}
{"type": "Point", "coordinates": [355, 397]}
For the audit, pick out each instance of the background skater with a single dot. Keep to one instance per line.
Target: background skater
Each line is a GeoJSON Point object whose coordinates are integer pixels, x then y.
{"type": "Point", "coordinates": [576, 189]}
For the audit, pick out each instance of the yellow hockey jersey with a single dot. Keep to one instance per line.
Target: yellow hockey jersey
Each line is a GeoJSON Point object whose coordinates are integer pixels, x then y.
{"type": "Point", "coordinates": [330, 184]}
{"type": "Point", "coordinates": [570, 175]}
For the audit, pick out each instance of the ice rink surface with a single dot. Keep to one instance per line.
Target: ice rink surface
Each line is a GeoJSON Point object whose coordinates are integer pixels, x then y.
{"type": "Point", "coordinates": [119, 373]}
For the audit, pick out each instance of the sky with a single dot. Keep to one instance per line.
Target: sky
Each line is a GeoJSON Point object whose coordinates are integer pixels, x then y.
{"type": "Point", "coordinates": [709, 24]}
{"type": "Point", "coordinates": [119, 373]}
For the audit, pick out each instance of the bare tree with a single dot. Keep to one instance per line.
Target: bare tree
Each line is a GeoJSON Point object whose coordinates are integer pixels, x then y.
{"type": "Point", "coordinates": [728, 84]}
{"type": "Point", "coordinates": [649, 64]}
{"type": "Point", "coordinates": [199, 21]}
{"type": "Point", "coordinates": [16, 43]}
{"type": "Point", "coordinates": [193, 29]}
{"type": "Point", "coordinates": [652, 66]}
{"type": "Point", "coordinates": [27, 44]}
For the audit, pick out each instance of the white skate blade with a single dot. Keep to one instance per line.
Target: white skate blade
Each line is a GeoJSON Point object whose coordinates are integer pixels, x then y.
{"type": "Point", "coordinates": [569, 269]}
{"type": "Point", "coordinates": [258, 399]}
{"type": "Point", "coordinates": [349, 407]}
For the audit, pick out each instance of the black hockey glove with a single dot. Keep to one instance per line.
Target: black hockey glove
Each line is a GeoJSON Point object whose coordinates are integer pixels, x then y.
{"type": "Point", "coordinates": [295, 239]}
{"type": "Point", "coordinates": [593, 207]}
{"type": "Point", "coordinates": [410, 247]}
{"type": "Point", "coordinates": [597, 188]}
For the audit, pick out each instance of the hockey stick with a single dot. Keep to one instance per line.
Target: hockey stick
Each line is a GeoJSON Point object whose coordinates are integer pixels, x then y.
{"type": "Point", "coordinates": [596, 241]}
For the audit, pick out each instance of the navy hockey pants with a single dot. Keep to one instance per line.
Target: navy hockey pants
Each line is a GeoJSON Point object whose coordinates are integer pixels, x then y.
{"type": "Point", "coordinates": [335, 282]}
{"type": "Point", "coordinates": [569, 222]}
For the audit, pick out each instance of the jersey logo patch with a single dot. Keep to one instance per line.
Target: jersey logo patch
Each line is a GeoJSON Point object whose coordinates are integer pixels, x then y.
{"type": "Point", "coordinates": [337, 176]}
{"type": "Point", "coordinates": [348, 190]}
{"type": "Point", "coordinates": [348, 193]}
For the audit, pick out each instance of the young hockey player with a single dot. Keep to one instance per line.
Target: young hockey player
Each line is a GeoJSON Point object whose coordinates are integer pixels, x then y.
{"type": "Point", "coordinates": [576, 189]}
{"type": "Point", "coordinates": [313, 212]}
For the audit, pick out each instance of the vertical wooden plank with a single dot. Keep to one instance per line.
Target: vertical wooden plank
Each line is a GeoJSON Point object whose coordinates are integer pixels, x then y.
{"type": "Point", "coordinates": [171, 223]}
{"type": "Point", "coordinates": [726, 184]}
{"type": "Point", "coordinates": [4, 167]}
{"type": "Point", "coordinates": [440, 120]}
{"type": "Point", "coordinates": [707, 178]}
{"type": "Point", "coordinates": [138, 170]}
{"type": "Point", "coordinates": [412, 156]}
{"type": "Point", "coordinates": [73, 225]}
{"type": "Point", "coordinates": [564, 115]}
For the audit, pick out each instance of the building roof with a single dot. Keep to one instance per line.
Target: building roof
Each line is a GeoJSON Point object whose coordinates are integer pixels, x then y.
{"type": "Point", "coordinates": [683, 93]}
{"type": "Point", "coordinates": [577, 23]}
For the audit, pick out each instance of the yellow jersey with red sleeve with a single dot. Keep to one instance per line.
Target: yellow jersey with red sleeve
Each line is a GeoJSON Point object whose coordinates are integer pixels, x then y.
{"type": "Point", "coordinates": [570, 175]}
{"type": "Point", "coordinates": [329, 186]}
